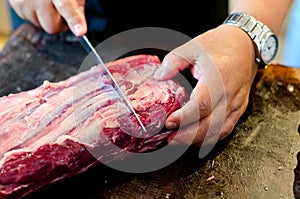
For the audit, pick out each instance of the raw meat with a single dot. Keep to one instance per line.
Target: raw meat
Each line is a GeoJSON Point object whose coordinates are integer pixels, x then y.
{"type": "Point", "coordinates": [48, 133]}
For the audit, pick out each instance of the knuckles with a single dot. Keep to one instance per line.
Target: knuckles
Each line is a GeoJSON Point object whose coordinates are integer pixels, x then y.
{"type": "Point", "coordinates": [53, 27]}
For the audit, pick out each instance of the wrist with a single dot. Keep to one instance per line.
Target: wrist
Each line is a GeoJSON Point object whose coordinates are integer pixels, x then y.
{"type": "Point", "coordinates": [242, 42]}
{"type": "Point", "coordinates": [264, 40]}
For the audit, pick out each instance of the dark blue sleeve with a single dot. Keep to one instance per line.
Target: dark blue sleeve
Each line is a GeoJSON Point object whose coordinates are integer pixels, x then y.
{"type": "Point", "coordinates": [96, 20]}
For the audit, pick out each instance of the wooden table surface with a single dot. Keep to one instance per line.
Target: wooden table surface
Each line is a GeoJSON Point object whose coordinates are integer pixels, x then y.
{"type": "Point", "coordinates": [258, 159]}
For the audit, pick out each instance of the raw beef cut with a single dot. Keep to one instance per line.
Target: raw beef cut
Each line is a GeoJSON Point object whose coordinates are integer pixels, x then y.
{"type": "Point", "coordinates": [48, 133]}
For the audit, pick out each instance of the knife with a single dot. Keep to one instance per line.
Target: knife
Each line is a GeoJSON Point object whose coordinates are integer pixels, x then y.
{"type": "Point", "coordinates": [90, 49]}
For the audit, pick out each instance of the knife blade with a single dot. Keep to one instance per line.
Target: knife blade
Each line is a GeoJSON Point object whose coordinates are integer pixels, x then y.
{"type": "Point", "coordinates": [90, 49]}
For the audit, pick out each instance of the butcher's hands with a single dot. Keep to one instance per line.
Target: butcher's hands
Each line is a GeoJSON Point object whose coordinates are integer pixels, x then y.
{"type": "Point", "coordinates": [223, 61]}
{"type": "Point", "coordinates": [53, 15]}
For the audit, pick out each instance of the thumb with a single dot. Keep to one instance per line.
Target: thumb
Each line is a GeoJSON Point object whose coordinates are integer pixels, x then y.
{"type": "Point", "coordinates": [179, 59]}
{"type": "Point", "coordinates": [171, 65]}
{"type": "Point", "coordinates": [73, 13]}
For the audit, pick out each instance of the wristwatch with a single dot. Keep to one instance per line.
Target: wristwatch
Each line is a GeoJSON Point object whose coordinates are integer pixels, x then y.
{"type": "Point", "coordinates": [266, 42]}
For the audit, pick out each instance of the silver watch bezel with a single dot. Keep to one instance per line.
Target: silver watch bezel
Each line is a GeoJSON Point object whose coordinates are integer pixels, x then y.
{"type": "Point", "coordinates": [264, 40]}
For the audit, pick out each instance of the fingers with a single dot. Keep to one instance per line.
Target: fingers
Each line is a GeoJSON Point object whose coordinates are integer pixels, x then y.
{"type": "Point", "coordinates": [178, 60]}
{"type": "Point", "coordinates": [52, 22]}
{"type": "Point", "coordinates": [52, 14]}
{"type": "Point", "coordinates": [73, 13]}
{"type": "Point", "coordinates": [191, 135]}
{"type": "Point", "coordinates": [201, 102]}
{"type": "Point", "coordinates": [17, 6]}
{"type": "Point", "coordinates": [208, 131]}
{"type": "Point", "coordinates": [25, 12]}
{"type": "Point", "coordinates": [171, 65]}
{"type": "Point", "coordinates": [198, 107]}
{"type": "Point", "coordinates": [216, 126]}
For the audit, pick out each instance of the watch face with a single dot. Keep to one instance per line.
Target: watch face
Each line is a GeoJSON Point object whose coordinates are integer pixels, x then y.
{"type": "Point", "coordinates": [269, 49]}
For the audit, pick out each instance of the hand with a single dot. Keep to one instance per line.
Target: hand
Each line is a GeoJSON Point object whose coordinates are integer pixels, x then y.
{"type": "Point", "coordinates": [223, 62]}
{"type": "Point", "coordinates": [51, 15]}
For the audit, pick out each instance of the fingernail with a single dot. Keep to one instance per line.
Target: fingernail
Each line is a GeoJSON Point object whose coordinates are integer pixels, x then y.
{"type": "Point", "coordinates": [171, 125]}
{"type": "Point", "coordinates": [78, 29]}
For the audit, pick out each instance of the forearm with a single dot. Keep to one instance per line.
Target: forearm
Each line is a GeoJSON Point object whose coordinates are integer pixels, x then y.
{"type": "Point", "coordinates": [270, 12]}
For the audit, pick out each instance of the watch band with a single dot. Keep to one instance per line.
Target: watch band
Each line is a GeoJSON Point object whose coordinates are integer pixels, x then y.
{"type": "Point", "coordinates": [257, 31]}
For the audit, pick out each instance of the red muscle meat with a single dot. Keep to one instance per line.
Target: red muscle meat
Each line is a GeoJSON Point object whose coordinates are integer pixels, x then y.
{"type": "Point", "coordinates": [48, 133]}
